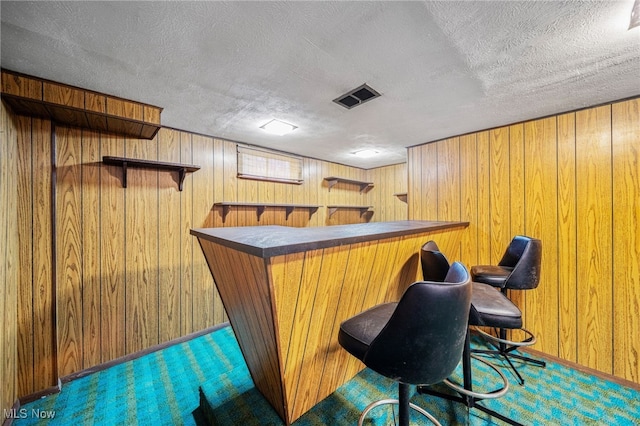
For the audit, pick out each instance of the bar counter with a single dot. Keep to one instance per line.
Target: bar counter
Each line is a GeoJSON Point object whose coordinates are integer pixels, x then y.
{"type": "Point", "coordinates": [286, 291]}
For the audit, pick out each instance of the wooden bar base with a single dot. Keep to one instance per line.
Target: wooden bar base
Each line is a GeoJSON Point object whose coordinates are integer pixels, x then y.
{"type": "Point", "coordinates": [286, 301]}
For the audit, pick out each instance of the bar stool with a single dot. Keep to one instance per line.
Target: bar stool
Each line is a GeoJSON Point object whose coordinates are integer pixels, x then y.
{"type": "Point", "coordinates": [489, 308]}
{"type": "Point", "coordinates": [519, 269]}
{"type": "Point", "coordinates": [418, 340]}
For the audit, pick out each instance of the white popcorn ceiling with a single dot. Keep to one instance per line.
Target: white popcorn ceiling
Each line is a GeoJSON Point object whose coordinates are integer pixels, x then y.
{"type": "Point", "coordinates": [225, 68]}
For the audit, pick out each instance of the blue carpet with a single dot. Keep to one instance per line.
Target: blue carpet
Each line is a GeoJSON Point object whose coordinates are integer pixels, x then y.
{"type": "Point", "coordinates": [165, 388]}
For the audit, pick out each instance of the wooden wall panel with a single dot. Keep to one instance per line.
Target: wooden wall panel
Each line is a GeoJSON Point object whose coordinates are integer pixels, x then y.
{"type": "Point", "coordinates": [567, 234]}
{"type": "Point", "coordinates": [499, 195]}
{"type": "Point", "coordinates": [594, 225]}
{"type": "Point", "coordinates": [516, 165]}
{"type": "Point", "coordinates": [112, 248]}
{"type": "Point", "coordinates": [91, 294]}
{"type": "Point", "coordinates": [541, 304]}
{"type": "Point", "coordinates": [203, 189]}
{"type": "Point", "coordinates": [9, 258]}
{"type": "Point", "coordinates": [387, 181]}
{"type": "Point", "coordinates": [626, 239]}
{"type": "Point", "coordinates": [37, 361]}
{"type": "Point", "coordinates": [484, 198]}
{"type": "Point", "coordinates": [571, 180]}
{"type": "Point", "coordinates": [448, 181]}
{"type": "Point", "coordinates": [25, 318]}
{"type": "Point", "coordinates": [170, 236]}
{"type": "Point", "coordinates": [469, 198]}
{"type": "Point", "coordinates": [141, 248]}
{"type": "Point", "coordinates": [187, 245]}
{"type": "Point", "coordinates": [69, 251]}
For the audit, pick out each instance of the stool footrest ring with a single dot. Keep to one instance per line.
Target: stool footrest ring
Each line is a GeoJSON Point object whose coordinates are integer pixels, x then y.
{"type": "Point", "coordinates": [490, 395]}
{"type": "Point", "coordinates": [528, 341]}
{"type": "Point", "coordinates": [395, 401]}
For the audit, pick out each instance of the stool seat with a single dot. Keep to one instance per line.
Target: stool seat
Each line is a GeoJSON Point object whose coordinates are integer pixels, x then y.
{"type": "Point", "coordinates": [358, 332]}
{"type": "Point", "coordinates": [490, 308]}
{"type": "Point", "coordinates": [494, 275]}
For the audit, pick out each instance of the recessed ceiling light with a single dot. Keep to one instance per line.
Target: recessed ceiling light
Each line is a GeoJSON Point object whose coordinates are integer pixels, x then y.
{"type": "Point", "coordinates": [278, 127]}
{"type": "Point", "coordinates": [365, 153]}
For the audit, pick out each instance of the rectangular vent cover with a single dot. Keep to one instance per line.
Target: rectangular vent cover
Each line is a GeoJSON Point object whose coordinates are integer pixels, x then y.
{"type": "Point", "coordinates": [357, 96]}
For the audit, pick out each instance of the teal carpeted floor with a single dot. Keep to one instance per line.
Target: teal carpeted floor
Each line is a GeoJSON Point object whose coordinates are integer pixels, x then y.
{"type": "Point", "coordinates": [165, 387]}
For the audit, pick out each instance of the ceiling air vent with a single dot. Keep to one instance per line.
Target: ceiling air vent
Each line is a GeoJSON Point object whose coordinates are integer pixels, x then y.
{"type": "Point", "coordinates": [357, 96]}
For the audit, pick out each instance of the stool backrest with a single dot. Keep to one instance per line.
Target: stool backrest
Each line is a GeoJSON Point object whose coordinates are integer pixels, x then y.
{"type": "Point", "coordinates": [435, 265]}
{"type": "Point", "coordinates": [423, 340]}
{"type": "Point", "coordinates": [524, 255]}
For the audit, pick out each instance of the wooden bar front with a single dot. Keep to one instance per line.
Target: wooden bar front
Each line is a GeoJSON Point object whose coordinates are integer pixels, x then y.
{"type": "Point", "coordinates": [286, 291]}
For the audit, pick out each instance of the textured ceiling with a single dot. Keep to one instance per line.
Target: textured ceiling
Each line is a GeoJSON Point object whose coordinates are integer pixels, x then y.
{"type": "Point", "coordinates": [225, 68]}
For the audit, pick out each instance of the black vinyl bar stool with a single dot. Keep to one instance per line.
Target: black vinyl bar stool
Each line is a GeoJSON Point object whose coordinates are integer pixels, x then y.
{"type": "Point", "coordinates": [489, 308]}
{"type": "Point", "coordinates": [418, 340]}
{"type": "Point", "coordinates": [519, 269]}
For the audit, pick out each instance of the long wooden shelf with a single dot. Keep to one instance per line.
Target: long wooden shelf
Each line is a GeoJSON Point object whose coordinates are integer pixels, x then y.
{"type": "Point", "coordinates": [261, 207]}
{"type": "Point", "coordinates": [363, 209]}
{"type": "Point", "coordinates": [333, 180]}
{"type": "Point", "coordinates": [77, 107]}
{"type": "Point", "coordinates": [125, 163]}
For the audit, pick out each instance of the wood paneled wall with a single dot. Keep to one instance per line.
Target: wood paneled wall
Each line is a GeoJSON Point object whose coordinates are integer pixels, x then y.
{"type": "Point", "coordinates": [388, 180]}
{"type": "Point", "coordinates": [9, 260]}
{"type": "Point", "coordinates": [128, 274]}
{"type": "Point", "coordinates": [572, 180]}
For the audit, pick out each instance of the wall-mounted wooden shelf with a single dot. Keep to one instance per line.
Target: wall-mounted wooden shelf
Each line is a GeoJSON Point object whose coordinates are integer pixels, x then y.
{"type": "Point", "coordinates": [364, 186]}
{"type": "Point", "coordinates": [125, 163]}
{"type": "Point", "coordinates": [363, 209]}
{"type": "Point", "coordinates": [402, 196]}
{"type": "Point", "coordinates": [77, 107]}
{"type": "Point", "coordinates": [261, 207]}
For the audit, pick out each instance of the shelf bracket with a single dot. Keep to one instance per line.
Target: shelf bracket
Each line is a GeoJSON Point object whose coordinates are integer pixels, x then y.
{"type": "Point", "coordinates": [182, 174]}
{"type": "Point", "coordinates": [288, 210]}
{"type": "Point", "coordinates": [124, 174]}
{"type": "Point", "coordinates": [312, 210]}
{"type": "Point", "coordinates": [225, 212]}
{"type": "Point", "coordinates": [260, 210]}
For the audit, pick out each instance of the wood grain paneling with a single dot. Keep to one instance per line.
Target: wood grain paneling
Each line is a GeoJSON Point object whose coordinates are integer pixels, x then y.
{"type": "Point", "coordinates": [25, 318]}
{"type": "Point", "coordinates": [516, 195]}
{"type": "Point", "coordinates": [567, 234]}
{"type": "Point", "coordinates": [69, 251]}
{"type": "Point", "coordinates": [141, 249]}
{"type": "Point", "coordinates": [469, 197]}
{"type": "Point", "coordinates": [594, 226]}
{"type": "Point", "coordinates": [169, 233]}
{"type": "Point", "coordinates": [9, 258]}
{"type": "Point", "coordinates": [387, 181]}
{"type": "Point", "coordinates": [499, 195]}
{"type": "Point", "coordinates": [91, 294]}
{"type": "Point", "coordinates": [37, 362]}
{"type": "Point", "coordinates": [113, 263]}
{"type": "Point", "coordinates": [541, 304]}
{"type": "Point", "coordinates": [626, 239]}
{"type": "Point", "coordinates": [571, 180]}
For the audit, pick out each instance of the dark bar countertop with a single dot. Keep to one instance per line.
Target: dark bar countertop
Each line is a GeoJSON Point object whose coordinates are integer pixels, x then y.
{"type": "Point", "coordinates": [271, 240]}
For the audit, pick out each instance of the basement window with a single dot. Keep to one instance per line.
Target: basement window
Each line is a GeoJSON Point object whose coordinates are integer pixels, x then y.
{"type": "Point", "coordinates": [263, 164]}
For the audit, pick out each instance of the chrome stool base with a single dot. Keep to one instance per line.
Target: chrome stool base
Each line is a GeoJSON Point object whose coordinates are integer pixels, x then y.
{"type": "Point", "coordinates": [394, 401]}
